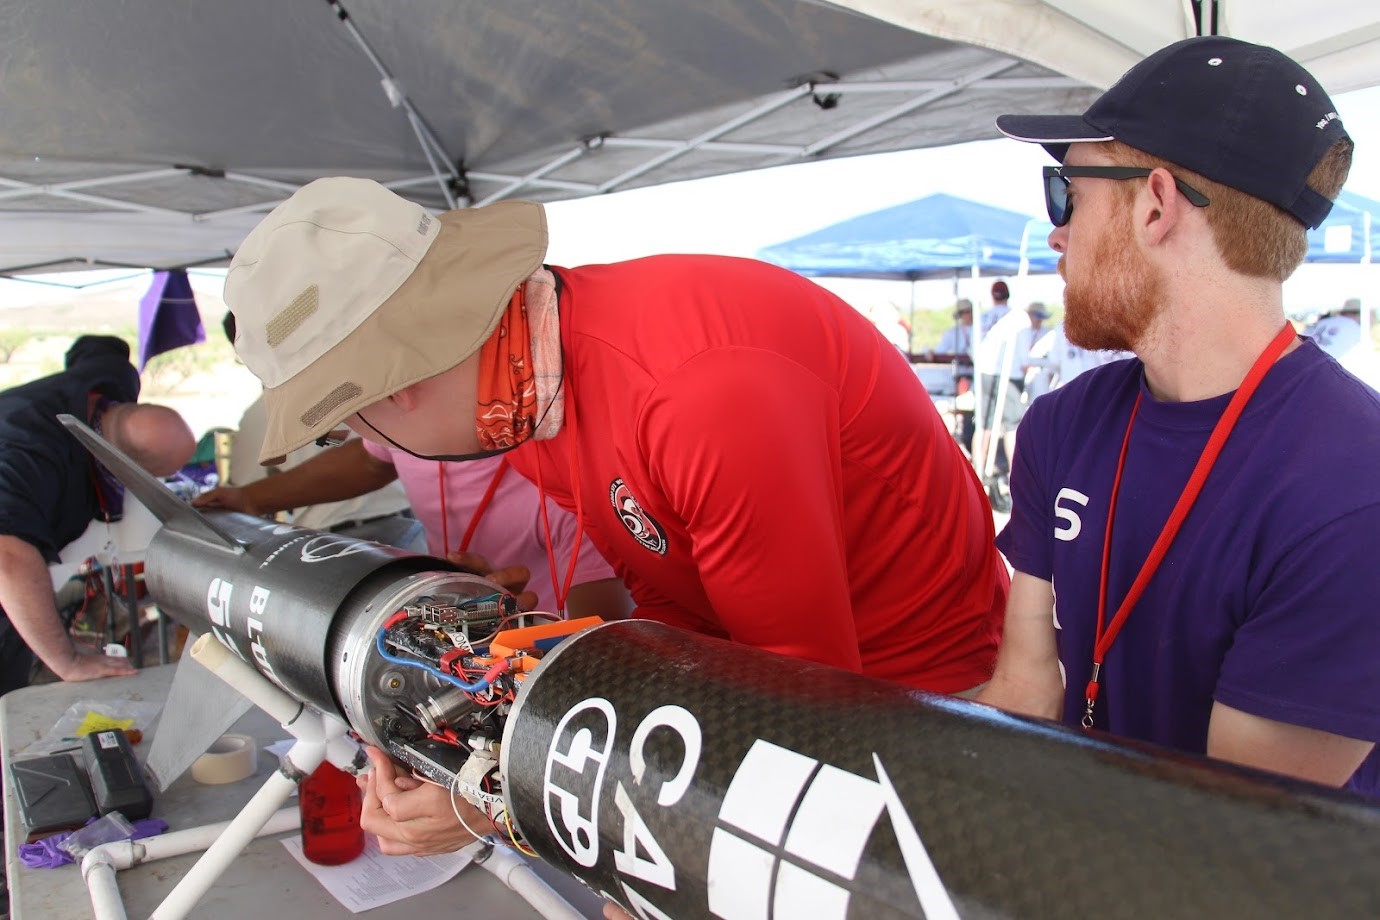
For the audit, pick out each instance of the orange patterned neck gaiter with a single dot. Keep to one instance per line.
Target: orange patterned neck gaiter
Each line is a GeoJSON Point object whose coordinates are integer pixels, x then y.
{"type": "Point", "coordinates": [507, 411]}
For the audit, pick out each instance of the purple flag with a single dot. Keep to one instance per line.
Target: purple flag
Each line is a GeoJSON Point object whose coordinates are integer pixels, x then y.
{"type": "Point", "coordinates": [168, 317]}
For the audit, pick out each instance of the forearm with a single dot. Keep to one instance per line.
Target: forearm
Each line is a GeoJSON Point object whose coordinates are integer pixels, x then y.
{"type": "Point", "coordinates": [1293, 750]}
{"type": "Point", "coordinates": [334, 475]}
{"type": "Point", "coordinates": [1027, 679]}
{"type": "Point", "coordinates": [26, 594]}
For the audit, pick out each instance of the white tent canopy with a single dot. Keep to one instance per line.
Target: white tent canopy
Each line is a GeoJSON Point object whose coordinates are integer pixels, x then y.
{"type": "Point", "coordinates": [150, 133]}
{"type": "Point", "coordinates": [1096, 41]}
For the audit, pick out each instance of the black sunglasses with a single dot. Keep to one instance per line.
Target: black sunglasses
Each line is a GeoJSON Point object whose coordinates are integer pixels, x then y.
{"type": "Point", "coordinates": [1060, 206]}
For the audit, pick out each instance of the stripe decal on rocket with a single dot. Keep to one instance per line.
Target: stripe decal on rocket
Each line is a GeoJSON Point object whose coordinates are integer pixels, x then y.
{"type": "Point", "coordinates": [788, 841]}
{"type": "Point", "coordinates": [791, 836]}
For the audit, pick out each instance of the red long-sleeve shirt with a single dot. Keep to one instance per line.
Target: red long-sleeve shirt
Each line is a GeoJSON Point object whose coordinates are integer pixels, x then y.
{"type": "Point", "coordinates": [758, 463]}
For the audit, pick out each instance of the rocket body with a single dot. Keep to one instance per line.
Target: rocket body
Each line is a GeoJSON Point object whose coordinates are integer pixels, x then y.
{"type": "Point", "coordinates": [686, 776]}
{"type": "Point", "coordinates": [282, 601]}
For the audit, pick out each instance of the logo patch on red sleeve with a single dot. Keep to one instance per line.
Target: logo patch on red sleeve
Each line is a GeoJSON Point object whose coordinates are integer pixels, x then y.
{"type": "Point", "coordinates": [639, 523]}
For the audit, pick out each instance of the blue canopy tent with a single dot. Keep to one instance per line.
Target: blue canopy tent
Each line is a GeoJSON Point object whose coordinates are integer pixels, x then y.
{"type": "Point", "coordinates": [935, 237]}
{"type": "Point", "coordinates": [940, 236]}
{"type": "Point", "coordinates": [1349, 236]}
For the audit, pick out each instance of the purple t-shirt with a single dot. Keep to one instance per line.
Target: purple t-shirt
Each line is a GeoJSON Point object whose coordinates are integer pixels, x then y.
{"type": "Point", "coordinates": [1269, 598]}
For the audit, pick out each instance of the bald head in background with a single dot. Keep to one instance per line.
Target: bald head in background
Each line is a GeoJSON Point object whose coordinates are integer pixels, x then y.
{"type": "Point", "coordinates": [155, 437]}
{"type": "Point", "coordinates": [52, 490]}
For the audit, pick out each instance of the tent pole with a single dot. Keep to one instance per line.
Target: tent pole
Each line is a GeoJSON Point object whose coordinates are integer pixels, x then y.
{"type": "Point", "coordinates": [910, 341]}
{"type": "Point", "coordinates": [979, 425]}
{"type": "Point", "coordinates": [1008, 358]}
{"type": "Point", "coordinates": [1023, 268]}
{"type": "Point", "coordinates": [989, 460]}
{"type": "Point", "coordinates": [432, 149]}
{"type": "Point", "coordinates": [1366, 309]}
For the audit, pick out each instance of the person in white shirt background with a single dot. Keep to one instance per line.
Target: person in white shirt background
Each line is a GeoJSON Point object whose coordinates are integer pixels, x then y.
{"type": "Point", "coordinates": [1054, 361]}
{"type": "Point", "coordinates": [957, 341]}
{"type": "Point", "coordinates": [1001, 294]}
{"type": "Point", "coordinates": [1339, 334]}
{"type": "Point", "coordinates": [1001, 358]}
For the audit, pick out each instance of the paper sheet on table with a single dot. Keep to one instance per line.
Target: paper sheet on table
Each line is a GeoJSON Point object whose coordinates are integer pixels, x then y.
{"type": "Point", "coordinates": [372, 879]}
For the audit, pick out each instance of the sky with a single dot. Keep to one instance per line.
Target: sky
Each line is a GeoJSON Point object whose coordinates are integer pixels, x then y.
{"type": "Point", "coordinates": [742, 213]}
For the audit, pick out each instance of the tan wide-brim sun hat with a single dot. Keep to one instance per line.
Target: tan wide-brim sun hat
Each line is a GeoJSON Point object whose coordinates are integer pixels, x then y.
{"type": "Point", "coordinates": [347, 293]}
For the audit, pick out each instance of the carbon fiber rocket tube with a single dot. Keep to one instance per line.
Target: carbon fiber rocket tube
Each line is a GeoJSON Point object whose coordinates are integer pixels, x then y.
{"type": "Point", "coordinates": [305, 608]}
{"type": "Point", "coordinates": [690, 777]}
{"type": "Point", "coordinates": [280, 602]}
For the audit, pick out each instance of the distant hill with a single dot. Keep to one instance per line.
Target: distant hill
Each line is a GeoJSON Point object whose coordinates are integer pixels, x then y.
{"type": "Point", "coordinates": [203, 382]}
{"type": "Point", "coordinates": [99, 309]}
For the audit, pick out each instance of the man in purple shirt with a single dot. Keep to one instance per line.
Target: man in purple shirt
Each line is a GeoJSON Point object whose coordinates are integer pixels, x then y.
{"type": "Point", "coordinates": [1216, 587]}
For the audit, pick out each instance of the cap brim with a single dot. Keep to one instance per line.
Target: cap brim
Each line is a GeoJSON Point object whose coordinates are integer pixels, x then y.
{"type": "Point", "coordinates": [1053, 132]}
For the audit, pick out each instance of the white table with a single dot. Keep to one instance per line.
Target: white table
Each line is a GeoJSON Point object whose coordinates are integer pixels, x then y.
{"type": "Point", "coordinates": [264, 882]}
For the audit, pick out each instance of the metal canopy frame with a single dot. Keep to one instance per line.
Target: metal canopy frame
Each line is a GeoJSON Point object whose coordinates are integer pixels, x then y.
{"type": "Point", "coordinates": [593, 165]}
{"type": "Point", "coordinates": [921, 93]}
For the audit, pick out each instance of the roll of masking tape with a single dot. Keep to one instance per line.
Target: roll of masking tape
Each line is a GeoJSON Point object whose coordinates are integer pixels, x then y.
{"type": "Point", "coordinates": [229, 759]}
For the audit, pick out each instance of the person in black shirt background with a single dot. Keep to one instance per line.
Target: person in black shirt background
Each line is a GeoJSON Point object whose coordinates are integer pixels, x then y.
{"type": "Point", "coordinates": [51, 490]}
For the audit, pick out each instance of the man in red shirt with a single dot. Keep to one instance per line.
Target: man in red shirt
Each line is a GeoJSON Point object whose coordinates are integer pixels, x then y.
{"type": "Point", "coordinates": [747, 451]}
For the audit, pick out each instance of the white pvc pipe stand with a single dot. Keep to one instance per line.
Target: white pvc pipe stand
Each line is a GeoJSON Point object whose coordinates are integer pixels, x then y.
{"type": "Point", "coordinates": [508, 866]}
{"type": "Point", "coordinates": [304, 756]}
{"type": "Point", "coordinates": [321, 736]}
{"type": "Point", "coordinates": [99, 865]}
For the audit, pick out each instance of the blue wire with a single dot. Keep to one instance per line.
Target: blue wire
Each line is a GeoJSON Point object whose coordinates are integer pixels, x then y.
{"type": "Point", "coordinates": [481, 684]}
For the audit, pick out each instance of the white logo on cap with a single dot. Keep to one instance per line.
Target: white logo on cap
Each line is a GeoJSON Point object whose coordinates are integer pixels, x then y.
{"type": "Point", "coordinates": [1322, 122]}
{"type": "Point", "coordinates": [1214, 62]}
{"type": "Point", "coordinates": [1301, 90]}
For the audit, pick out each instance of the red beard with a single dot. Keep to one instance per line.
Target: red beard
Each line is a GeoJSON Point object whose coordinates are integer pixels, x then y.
{"type": "Point", "coordinates": [1111, 304]}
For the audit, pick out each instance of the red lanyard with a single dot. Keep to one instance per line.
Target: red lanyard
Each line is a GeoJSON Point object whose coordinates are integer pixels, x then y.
{"type": "Point", "coordinates": [478, 511]}
{"type": "Point", "coordinates": [1107, 632]}
{"type": "Point", "coordinates": [562, 591]}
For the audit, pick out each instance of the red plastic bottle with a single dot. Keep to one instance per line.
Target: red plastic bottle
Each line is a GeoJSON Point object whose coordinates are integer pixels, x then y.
{"type": "Point", "coordinates": [330, 803]}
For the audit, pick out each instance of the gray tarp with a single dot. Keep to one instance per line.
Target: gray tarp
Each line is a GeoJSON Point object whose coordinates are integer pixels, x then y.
{"type": "Point", "coordinates": [149, 132]}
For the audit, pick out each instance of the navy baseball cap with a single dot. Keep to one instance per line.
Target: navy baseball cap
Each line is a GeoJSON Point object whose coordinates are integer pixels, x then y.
{"type": "Point", "coordinates": [1244, 115]}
